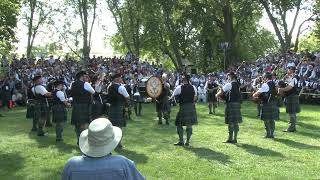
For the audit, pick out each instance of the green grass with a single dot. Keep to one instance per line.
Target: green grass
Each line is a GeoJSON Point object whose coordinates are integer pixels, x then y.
{"type": "Point", "coordinates": [23, 155]}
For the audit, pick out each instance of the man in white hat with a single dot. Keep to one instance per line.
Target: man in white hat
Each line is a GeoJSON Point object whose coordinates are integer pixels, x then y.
{"type": "Point", "coordinates": [96, 143]}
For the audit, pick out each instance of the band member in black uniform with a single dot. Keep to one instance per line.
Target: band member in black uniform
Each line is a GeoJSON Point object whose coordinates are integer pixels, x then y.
{"type": "Point", "coordinates": [187, 115]}
{"type": "Point", "coordinates": [163, 103]}
{"type": "Point", "coordinates": [117, 97]}
{"type": "Point", "coordinates": [212, 87]}
{"type": "Point", "coordinates": [97, 103]}
{"type": "Point", "coordinates": [41, 111]}
{"type": "Point", "coordinates": [231, 94]}
{"type": "Point", "coordinates": [81, 92]}
{"type": "Point", "coordinates": [59, 111]}
{"type": "Point", "coordinates": [291, 98]}
{"type": "Point", "coordinates": [137, 97]}
{"type": "Point", "coordinates": [269, 109]}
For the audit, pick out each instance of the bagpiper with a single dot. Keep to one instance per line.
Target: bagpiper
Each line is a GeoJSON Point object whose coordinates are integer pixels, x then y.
{"type": "Point", "coordinates": [187, 115]}
{"type": "Point", "coordinates": [269, 109]}
{"type": "Point", "coordinates": [117, 97]}
{"type": "Point", "coordinates": [291, 98]}
{"type": "Point", "coordinates": [232, 96]}
{"type": "Point", "coordinates": [81, 92]}
{"type": "Point", "coordinates": [41, 108]}
{"type": "Point", "coordinates": [59, 108]}
{"type": "Point", "coordinates": [212, 87]}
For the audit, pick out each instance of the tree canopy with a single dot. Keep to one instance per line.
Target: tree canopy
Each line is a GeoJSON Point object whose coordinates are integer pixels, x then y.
{"type": "Point", "coordinates": [9, 10]}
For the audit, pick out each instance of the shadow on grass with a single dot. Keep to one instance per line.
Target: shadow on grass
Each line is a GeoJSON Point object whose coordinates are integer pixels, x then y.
{"type": "Point", "coordinates": [309, 134]}
{"type": "Point", "coordinates": [252, 149]}
{"type": "Point", "coordinates": [295, 144]}
{"type": "Point", "coordinates": [205, 153]}
{"type": "Point", "coordinates": [309, 126]}
{"type": "Point", "coordinates": [134, 156]}
{"type": "Point", "coordinates": [10, 163]}
{"type": "Point", "coordinates": [45, 142]}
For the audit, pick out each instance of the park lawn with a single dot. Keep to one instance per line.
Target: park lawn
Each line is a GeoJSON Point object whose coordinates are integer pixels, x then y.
{"type": "Point", "coordinates": [23, 155]}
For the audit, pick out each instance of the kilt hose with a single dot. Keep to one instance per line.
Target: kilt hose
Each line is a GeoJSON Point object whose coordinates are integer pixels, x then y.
{"type": "Point", "coordinates": [116, 115]}
{"type": "Point", "coordinates": [81, 114]}
{"type": "Point", "coordinates": [41, 113]}
{"type": "Point", "coordinates": [187, 115]}
{"type": "Point", "coordinates": [269, 111]}
{"type": "Point", "coordinates": [292, 104]}
{"type": "Point", "coordinates": [59, 113]}
{"type": "Point", "coordinates": [233, 112]}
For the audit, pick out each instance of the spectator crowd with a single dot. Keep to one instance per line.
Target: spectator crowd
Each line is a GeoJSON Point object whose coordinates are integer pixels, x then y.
{"type": "Point", "coordinates": [17, 73]}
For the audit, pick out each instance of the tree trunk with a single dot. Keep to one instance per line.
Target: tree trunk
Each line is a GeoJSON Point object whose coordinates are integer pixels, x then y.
{"type": "Point", "coordinates": [86, 48]}
{"type": "Point", "coordinates": [274, 24]}
{"type": "Point", "coordinates": [228, 30]}
{"type": "Point", "coordinates": [32, 4]}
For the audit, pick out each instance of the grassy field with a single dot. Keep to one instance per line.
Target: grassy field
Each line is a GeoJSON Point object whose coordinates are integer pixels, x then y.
{"type": "Point", "coordinates": [23, 155]}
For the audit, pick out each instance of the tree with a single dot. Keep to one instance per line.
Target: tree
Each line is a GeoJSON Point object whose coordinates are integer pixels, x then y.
{"type": "Point", "coordinates": [85, 9]}
{"type": "Point", "coordinates": [128, 18]}
{"type": "Point", "coordinates": [278, 10]}
{"type": "Point", "coordinates": [37, 13]}
{"type": "Point", "coordinates": [9, 10]}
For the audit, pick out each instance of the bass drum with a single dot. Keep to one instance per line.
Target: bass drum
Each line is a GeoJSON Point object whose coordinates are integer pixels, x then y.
{"type": "Point", "coordinates": [154, 87]}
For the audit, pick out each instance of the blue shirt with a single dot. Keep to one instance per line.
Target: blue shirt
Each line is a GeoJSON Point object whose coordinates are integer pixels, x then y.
{"type": "Point", "coordinates": [111, 167]}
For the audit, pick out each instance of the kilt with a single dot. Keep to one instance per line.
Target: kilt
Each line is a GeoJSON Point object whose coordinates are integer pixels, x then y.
{"type": "Point", "coordinates": [81, 114]}
{"type": "Point", "coordinates": [292, 104]}
{"type": "Point", "coordinates": [163, 105]}
{"type": "Point", "coordinates": [97, 109]}
{"type": "Point", "coordinates": [269, 111]}
{"type": "Point", "coordinates": [41, 111]}
{"type": "Point", "coordinates": [233, 112]}
{"type": "Point", "coordinates": [116, 115]}
{"type": "Point", "coordinates": [187, 115]}
{"type": "Point", "coordinates": [59, 113]}
{"type": "Point", "coordinates": [211, 97]}
{"type": "Point", "coordinates": [30, 109]}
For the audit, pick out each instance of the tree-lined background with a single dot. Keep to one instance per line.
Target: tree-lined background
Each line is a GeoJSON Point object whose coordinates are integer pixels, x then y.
{"type": "Point", "coordinates": [172, 32]}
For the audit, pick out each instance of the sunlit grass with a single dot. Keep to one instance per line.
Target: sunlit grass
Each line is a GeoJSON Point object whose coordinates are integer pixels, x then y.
{"type": "Point", "coordinates": [23, 155]}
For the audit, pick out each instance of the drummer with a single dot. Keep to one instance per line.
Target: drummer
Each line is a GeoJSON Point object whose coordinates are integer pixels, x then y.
{"type": "Point", "coordinates": [162, 102]}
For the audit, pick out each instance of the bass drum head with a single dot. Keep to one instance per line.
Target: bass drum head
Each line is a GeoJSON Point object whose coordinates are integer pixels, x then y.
{"type": "Point", "coordinates": [154, 87]}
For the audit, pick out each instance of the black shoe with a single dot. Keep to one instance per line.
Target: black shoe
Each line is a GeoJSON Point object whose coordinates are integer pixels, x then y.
{"type": "Point", "coordinates": [235, 142]}
{"type": "Point", "coordinates": [267, 136]}
{"type": "Point", "coordinates": [1, 115]}
{"type": "Point", "coordinates": [228, 141]}
{"type": "Point", "coordinates": [160, 122]}
{"type": "Point", "coordinates": [179, 144]}
{"type": "Point", "coordinates": [210, 113]}
{"type": "Point", "coordinates": [289, 130]}
{"type": "Point", "coordinates": [187, 144]}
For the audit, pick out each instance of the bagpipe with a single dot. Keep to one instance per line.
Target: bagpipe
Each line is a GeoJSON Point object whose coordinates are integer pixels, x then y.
{"type": "Point", "coordinates": [224, 95]}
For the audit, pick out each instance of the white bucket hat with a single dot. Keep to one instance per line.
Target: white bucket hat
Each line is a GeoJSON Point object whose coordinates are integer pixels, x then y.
{"type": "Point", "coordinates": [100, 138]}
